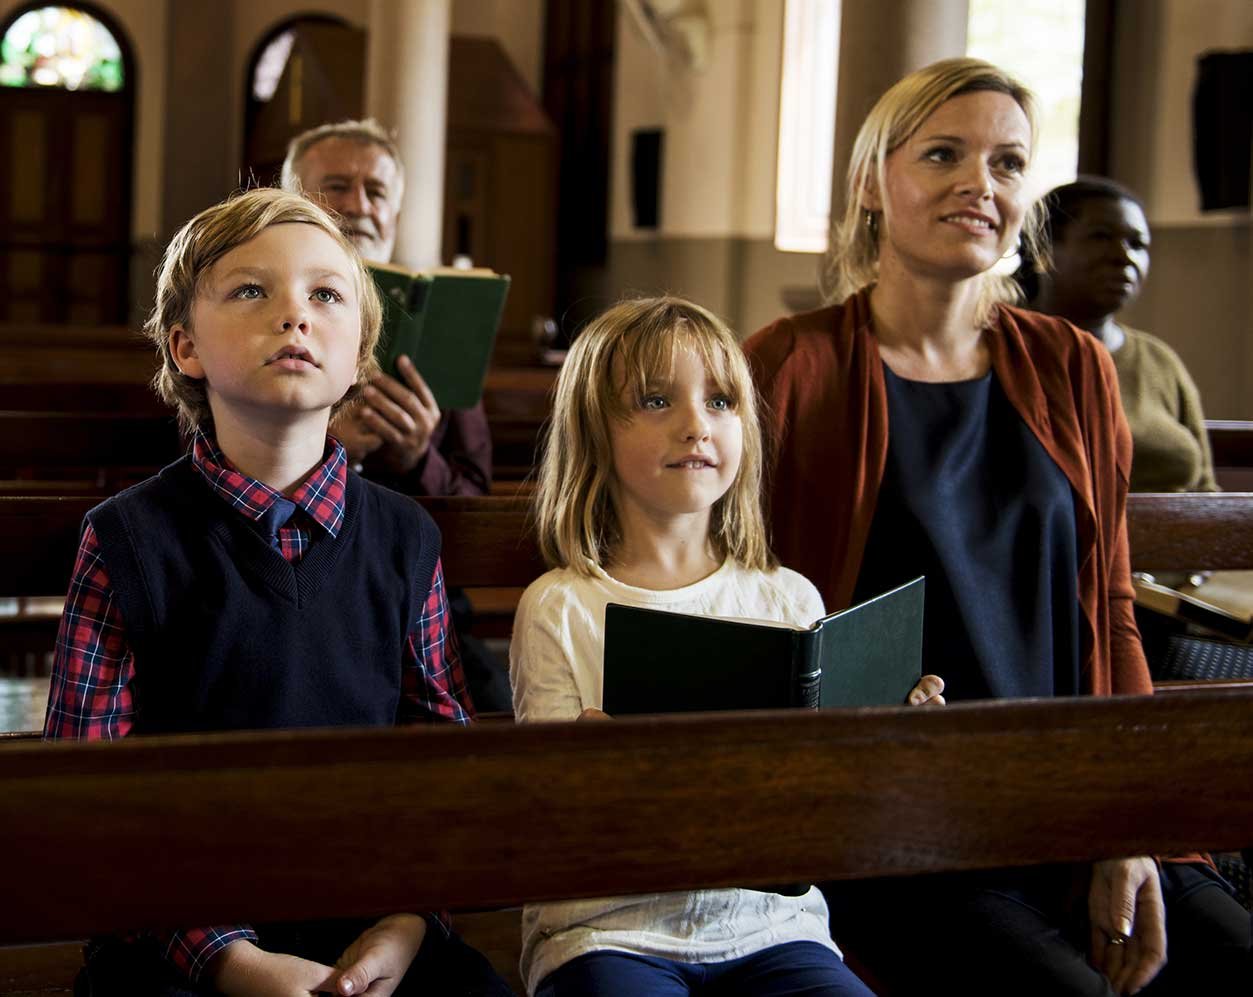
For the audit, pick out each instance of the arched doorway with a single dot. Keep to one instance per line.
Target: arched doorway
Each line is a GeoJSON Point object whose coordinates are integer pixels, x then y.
{"type": "Point", "coordinates": [306, 71]}
{"type": "Point", "coordinates": [67, 86]}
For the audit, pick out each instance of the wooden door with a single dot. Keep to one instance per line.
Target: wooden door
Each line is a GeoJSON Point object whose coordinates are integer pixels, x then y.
{"type": "Point", "coordinates": [65, 197]}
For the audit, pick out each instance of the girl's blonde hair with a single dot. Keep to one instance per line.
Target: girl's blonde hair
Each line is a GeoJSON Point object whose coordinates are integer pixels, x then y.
{"type": "Point", "coordinates": [203, 241]}
{"type": "Point", "coordinates": [853, 256]}
{"type": "Point", "coordinates": [637, 341]}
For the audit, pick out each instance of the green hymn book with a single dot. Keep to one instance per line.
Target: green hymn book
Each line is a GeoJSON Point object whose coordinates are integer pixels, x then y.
{"type": "Point", "coordinates": [445, 321]}
{"type": "Point", "coordinates": [867, 655]}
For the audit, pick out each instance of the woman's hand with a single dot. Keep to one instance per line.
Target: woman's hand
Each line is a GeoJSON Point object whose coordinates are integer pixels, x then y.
{"type": "Point", "coordinates": [1128, 922]}
{"type": "Point", "coordinates": [927, 692]}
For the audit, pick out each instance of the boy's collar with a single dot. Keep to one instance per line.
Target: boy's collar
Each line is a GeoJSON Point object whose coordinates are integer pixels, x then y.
{"type": "Point", "coordinates": [321, 495]}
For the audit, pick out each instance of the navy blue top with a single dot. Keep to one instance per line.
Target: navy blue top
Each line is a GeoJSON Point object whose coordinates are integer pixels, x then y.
{"type": "Point", "coordinates": [971, 499]}
{"type": "Point", "coordinates": [228, 635]}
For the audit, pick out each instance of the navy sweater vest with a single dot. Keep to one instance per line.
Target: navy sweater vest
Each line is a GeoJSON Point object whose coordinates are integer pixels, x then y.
{"type": "Point", "coordinates": [228, 635]}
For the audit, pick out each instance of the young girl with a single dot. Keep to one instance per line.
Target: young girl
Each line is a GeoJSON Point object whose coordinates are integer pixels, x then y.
{"type": "Point", "coordinates": [648, 496]}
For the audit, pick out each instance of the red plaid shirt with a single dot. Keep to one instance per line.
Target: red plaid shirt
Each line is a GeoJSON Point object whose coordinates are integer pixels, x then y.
{"type": "Point", "coordinates": [92, 695]}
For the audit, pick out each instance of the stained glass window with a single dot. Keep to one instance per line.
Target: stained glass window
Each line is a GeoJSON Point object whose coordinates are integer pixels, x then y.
{"type": "Point", "coordinates": [60, 47]}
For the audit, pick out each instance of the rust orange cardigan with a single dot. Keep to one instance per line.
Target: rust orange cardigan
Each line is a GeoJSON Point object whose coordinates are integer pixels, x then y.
{"type": "Point", "coordinates": [821, 379]}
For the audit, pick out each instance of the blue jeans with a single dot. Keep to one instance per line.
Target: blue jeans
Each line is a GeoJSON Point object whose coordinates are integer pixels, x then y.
{"type": "Point", "coordinates": [797, 969]}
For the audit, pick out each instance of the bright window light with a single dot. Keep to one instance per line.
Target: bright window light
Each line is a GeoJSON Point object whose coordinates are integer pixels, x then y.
{"type": "Point", "coordinates": [811, 38]}
{"type": "Point", "coordinates": [1052, 66]}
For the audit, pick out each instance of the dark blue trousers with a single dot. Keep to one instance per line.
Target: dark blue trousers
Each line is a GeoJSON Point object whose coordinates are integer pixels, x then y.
{"type": "Point", "coordinates": [797, 969]}
{"type": "Point", "coordinates": [1025, 932]}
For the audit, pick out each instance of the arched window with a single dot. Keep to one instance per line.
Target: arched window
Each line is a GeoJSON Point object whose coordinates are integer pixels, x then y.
{"type": "Point", "coordinates": [62, 47]}
{"type": "Point", "coordinates": [305, 71]}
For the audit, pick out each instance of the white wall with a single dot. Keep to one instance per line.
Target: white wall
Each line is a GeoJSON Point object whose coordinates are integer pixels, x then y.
{"type": "Point", "coordinates": [518, 25]}
{"type": "Point", "coordinates": [143, 21]}
{"type": "Point", "coordinates": [720, 124]}
{"type": "Point", "coordinates": [1187, 29]}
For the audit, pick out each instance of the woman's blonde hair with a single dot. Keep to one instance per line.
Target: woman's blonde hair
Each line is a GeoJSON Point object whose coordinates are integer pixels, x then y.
{"type": "Point", "coordinates": [616, 359]}
{"type": "Point", "coordinates": [203, 241]}
{"type": "Point", "coordinates": [853, 257]}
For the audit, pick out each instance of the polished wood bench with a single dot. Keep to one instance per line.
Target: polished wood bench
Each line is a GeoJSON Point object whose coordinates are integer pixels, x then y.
{"type": "Point", "coordinates": [226, 830]}
{"type": "Point", "coordinates": [1231, 443]}
{"type": "Point", "coordinates": [1094, 797]}
{"type": "Point", "coordinates": [488, 550]}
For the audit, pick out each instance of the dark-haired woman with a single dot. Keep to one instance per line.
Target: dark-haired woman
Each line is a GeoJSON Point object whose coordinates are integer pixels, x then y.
{"type": "Point", "coordinates": [1100, 248]}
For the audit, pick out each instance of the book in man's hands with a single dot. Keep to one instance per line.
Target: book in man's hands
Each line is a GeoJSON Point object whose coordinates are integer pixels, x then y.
{"type": "Point", "coordinates": [867, 655]}
{"type": "Point", "coordinates": [445, 321]}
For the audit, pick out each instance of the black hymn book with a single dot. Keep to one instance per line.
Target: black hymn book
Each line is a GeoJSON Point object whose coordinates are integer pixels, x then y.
{"type": "Point", "coordinates": [867, 655]}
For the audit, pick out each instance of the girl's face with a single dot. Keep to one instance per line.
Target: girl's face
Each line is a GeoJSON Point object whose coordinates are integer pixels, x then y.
{"type": "Point", "coordinates": [680, 449]}
{"type": "Point", "coordinates": [953, 198]}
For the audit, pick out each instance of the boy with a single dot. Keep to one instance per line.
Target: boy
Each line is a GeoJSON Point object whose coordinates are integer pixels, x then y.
{"type": "Point", "coordinates": [205, 598]}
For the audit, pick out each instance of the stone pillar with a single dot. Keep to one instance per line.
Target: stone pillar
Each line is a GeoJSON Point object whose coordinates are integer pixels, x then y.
{"type": "Point", "coordinates": [879, 43]}
{"type": "Point", "coordinates": [407, 90]}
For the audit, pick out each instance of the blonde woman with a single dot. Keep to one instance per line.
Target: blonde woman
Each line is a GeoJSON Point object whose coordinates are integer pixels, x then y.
{"type": "Point", "coordinates": [924, 426]}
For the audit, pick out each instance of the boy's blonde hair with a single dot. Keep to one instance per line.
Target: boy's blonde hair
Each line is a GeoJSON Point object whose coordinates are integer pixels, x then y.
{"type": "Point", "coordinates": [853, 257]}
{"type": "Point", "coordinates": [637, 341]}
{"type": "Point", "coordinates": [199, 245]}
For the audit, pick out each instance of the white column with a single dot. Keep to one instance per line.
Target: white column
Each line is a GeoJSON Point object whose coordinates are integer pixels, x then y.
{"type": "Point", "coordinates": [407, 90]}
{"type": "Point", "coordinates": [879, 43]}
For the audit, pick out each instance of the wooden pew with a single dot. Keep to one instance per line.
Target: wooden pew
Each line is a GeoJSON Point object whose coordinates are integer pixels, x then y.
{"type": "Point", "coordinates": [1232, 446]}
{"type": "Point", "coordinates": [226, 830]}
{"type": "Point", "coordinates": [111, 449]}
{"type": "Point", "coordinates": [487, 542]}
{"type": "Point", "coordinates": [488, 550]}
{"type": "Point", "coordinates": [1190, 531]}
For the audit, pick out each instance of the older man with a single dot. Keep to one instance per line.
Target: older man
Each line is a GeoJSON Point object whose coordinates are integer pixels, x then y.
{"type": "Point", "coordinates": [398, 435]}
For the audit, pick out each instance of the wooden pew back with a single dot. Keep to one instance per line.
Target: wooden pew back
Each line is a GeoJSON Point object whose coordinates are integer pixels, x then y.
{"type": "Point", "coordinates": [486, 541]}
{"type": "Point", "coordinates": [1232, 446]}
{"type": "Point", "coordinates": [274, 825]}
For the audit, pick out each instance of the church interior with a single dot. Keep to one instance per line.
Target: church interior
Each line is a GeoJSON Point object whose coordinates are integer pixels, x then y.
{"type": "Point", "coordinates": [592, 150]}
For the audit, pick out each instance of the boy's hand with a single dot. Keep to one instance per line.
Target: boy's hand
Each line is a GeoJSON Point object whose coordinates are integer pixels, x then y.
{"type": "Point", "coordinates": [243, 970]}
{"type": "Point", "coordinates": [402, 416]}
{"type": "Point", "coordinates": [377, 961]}
{"type": "Point", "coordinates": [927, 692]}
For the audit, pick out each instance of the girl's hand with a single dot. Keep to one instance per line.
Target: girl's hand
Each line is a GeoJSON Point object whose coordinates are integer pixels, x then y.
{"type": "Point", "coordinates": [377, 961]}
{"type": "Point", "coordinates": [243, 970]}
{"type": "Point", "coordinates": [591, 713]}
{"type": "Point", "coordinates": [927, 692]}
{"type": "Point", "coordinates": [1128, 922]}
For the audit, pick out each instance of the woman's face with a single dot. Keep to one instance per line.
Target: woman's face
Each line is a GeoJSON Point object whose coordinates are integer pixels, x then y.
{"type": "Point", "coordinates": [953, 198]}
{"type": "Point", "coordinates": [1101, 259]}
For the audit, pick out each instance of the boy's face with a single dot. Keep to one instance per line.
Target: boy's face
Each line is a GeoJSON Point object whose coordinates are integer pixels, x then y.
{"type": "Point", "coordinates": [275, 327]}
